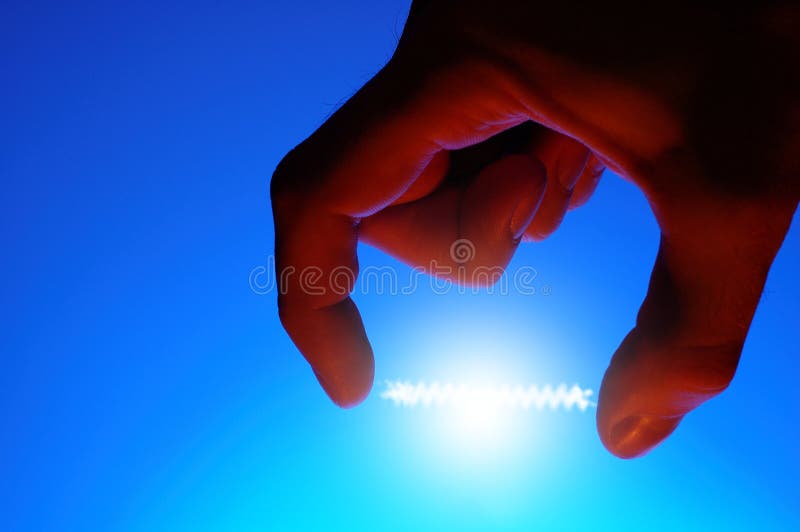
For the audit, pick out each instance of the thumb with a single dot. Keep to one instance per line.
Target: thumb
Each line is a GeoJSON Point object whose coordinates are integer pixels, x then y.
{"type": "Point", "coordinates": [711, 267]}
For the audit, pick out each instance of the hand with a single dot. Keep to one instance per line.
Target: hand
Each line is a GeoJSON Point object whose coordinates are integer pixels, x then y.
{"type": "Point", "coordinates": [710, 132]}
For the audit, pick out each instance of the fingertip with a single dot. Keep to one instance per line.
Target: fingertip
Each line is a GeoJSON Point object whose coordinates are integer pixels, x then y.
{"type": "Point", "coordinates": [635, 411]}
{"type": "Point", "coordinates": [531, 181]}
{"type": "Point", "coordinates": [651, 384]}
{"type": "Point", "coordinates": [523, 214]}
{"type": "Point", "coordinates": [587, 182]}
{"type": "Point", "coordinates": [551, 212]}
{"type": "Point", "coordinates": [349, 389]}
{"type": "Point", "coordinates": [334, 343]}
{"type": "Point", "coordinates": [637, 435]}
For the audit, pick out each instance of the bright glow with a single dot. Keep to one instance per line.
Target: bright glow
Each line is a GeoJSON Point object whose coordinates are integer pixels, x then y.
{"type": "Point", "coordinates": [480, 421]}
{"type": "Point", "coordinates": [480, 399]}
{"type": "Point", "coordinates": [472, 413]}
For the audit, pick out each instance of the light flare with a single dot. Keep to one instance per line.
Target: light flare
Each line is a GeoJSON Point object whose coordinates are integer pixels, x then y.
{"type": "Point", "coordinates": [408, 394]}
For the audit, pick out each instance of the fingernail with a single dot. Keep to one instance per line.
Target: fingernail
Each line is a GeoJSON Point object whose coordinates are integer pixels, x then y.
{"type": "Point", "coordinates": [568, 168]}
{"type": "Point", "coordinates": [637, 435]}
{"type": "Point", "coordinates": [523, 215]}
{"type": "Point", "coordinates": [563, 175]}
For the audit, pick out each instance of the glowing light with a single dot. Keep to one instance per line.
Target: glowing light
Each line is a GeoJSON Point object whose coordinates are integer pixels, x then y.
{"type": "Point", "coordinates": [479, 399]}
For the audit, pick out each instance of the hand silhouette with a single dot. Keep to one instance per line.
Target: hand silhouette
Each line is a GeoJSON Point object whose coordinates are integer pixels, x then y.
{"type": "Point", "coordinates": [491, 120]}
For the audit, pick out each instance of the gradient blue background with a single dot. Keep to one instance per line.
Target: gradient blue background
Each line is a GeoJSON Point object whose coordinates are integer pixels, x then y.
{"type": "Point", "coordinates": [145, 386]}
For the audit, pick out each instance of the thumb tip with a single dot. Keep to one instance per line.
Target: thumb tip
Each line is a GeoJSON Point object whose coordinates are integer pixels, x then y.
{"type": "Point", "coordinates": [637, 435]}
{"type": "Point", "coordinates": [350, 390]}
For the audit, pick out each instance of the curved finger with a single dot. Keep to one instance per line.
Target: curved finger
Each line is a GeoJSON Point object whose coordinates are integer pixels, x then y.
{"type": "Point", "coordinates": [464, 233]}
{"type": "Point", "coordinates": [705, 286]}
{"type": "Point", "coordinates": [368, 155]}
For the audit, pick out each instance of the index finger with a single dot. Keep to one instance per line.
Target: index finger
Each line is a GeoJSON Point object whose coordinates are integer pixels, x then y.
{"type": "Point", "coordinates": [361, 160]}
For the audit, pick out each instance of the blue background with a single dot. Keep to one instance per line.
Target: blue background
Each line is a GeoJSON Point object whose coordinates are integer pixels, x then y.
{"type": "Point", "coordinates": [145, 386]}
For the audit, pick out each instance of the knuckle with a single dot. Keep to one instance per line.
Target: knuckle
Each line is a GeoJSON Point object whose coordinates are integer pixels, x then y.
{"type": "Point", "coordinates": [284, 178]}
{"type": "Point", "coordinates": [290, 191]}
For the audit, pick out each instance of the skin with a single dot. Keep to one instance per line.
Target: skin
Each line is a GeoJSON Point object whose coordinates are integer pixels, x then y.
{"type": "Point", "coordinates": [493, 119]}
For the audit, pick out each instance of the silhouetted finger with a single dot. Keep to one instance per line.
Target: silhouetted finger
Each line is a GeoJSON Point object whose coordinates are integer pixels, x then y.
{"type": "Point", "coordinates": [706, 283]}
{"type": "Point", "coordinates": [384, 146]}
